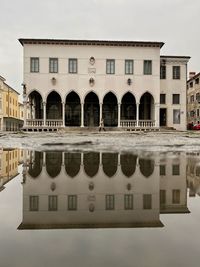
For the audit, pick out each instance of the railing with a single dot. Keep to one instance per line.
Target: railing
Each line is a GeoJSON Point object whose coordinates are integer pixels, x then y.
{"type": "Point", "coordinates": [35, 123]}
{"type": "Point", "coordinates": [54, 123]}
{"type": "Point", "coordinates": [40, 123]}
{"type": "Point", "coordinates": [141, 123]}
{"type": "Point", "coordinates": [128, 123]}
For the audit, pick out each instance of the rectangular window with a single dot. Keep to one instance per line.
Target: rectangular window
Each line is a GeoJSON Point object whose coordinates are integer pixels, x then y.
{"type": "Point", "coordinates": [110, 202]}
{"type": "Point", "coordinates": [191, 98]}
{"type": "Point", "coordinates": [176, 116]}
{"type": "Point", "coordinates": [197, 81]}
{"type": "Point", "coordinates": [34, 203]}
{"type": "Point", "coordinates": [197, 112]}
{"type": "Point", "coordinates": [53, 65]}
{"type": "Point", "coordinates": [191, 84]}
{"type": "Point", "coordinates": [162, 197]}
{"type": "Point", "coordinates": [110, 66]}
{"type": "Point", "coordinates": [162, 170]}
{"type": "Point", "coordinates": [162, 98]}
{"type": "Point", "coordinates": [128, 66]}
{"type": "Point", "coordinates": [73, 65]}
{"type": "Point", "coordinates": [53, 203]}
{"type": "Point", "coordinates": [34, 64]}
{"type": "Point", "coordinates": [147, 201]}
{"type": "Point", "coordinates": [72, 202]}
{"type": "Point", "coordinates": [175, 169]}
{"type": "Point", "coordinates": [162, 72]}
{"type": "Point", "coordinates": [176, 195]}
{"type": "Point", "coordinates": [175, 99]}
{"type": "Point", "coordinates": [128, 202]}
{"type": "Point", "coordinates": [147, 67]}
{"type": "Point", "coordinates": [176, 72]}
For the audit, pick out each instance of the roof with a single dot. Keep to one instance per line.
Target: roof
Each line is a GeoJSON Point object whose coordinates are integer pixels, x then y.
{"type": "Point", "coordinates": [194, 77]}
{"type": "Point", "coordinates": [176, 57]}
{"type": "Point", "coordinates": [91, 42]}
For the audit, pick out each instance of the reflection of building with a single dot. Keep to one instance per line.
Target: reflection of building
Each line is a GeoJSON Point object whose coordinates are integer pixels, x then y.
{"type": "Point", "coordinates": [193, 98]}
{"type": "Point", "coordinates": [193, 175]}
{"type": "Point", "coordinates": [77, 82]}
{"type": "Point", "coordinates": [74, 190]}
{"type": "Point", "coordinates": [9, 108]}
{"type": "Point", "coordinates": [9, 159]}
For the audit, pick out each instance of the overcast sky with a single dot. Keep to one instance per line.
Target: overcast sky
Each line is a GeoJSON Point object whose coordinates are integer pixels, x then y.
{"type": "Point", "coordinates": [174, 22]}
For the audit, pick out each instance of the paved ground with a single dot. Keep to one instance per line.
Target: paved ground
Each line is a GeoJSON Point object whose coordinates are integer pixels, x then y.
{"type": "Point", "coordinates": [188, 141]}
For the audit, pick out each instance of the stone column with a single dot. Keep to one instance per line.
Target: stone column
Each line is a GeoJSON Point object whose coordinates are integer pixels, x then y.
{"type": "Point", "coordinates": [63, 113]}
{"type": "Point", "coordinates": [100, 112]}
{"type": "Point", "coordinates": [119, 114]}
{"type": "Point", "coordinates": [82, 114]}
{"type": "Point", "coordinates": [44, 113]}
{"type": "Point", "coordinates": [157, 114]}
{"type": "Point", "coordinates": [25, 112]}
{"type": "Point", "coordinates": [137, 114]}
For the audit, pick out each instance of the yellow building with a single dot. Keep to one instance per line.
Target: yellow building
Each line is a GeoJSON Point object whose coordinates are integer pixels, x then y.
{"type": "Point", "coordinates": [9, 108]}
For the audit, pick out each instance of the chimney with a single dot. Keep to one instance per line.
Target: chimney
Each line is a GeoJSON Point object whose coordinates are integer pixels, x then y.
{"type": "Point", "coordinates": [191, 74]}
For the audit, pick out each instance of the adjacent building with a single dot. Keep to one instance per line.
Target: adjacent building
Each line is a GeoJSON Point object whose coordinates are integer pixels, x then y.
{"type": "Point", "coordinates": [127, 83]}
{"type": "Point", "coordinates": [9, 108]}
{"type": "Point", "coordinates": [193, 98]}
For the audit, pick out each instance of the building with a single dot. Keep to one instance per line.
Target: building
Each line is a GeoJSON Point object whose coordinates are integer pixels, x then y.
{"type": "Point", "coordinates": [127, 83]}
{"type": "Point", "coordinates": [9, 108]}
{"type": "Point", "coordinates": [193, 98]}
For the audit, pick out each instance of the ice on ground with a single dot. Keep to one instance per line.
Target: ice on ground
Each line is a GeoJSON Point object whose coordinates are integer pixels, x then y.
{"type": "Point", "coordinates": [104, 141]}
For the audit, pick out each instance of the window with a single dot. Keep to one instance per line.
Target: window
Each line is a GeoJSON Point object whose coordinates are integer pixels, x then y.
{"type": "Point", "coordinates": [34, 203]}
{"type": "Point", "coordinates": [147, 201]}
{"type": "Point", "coordinates": [197, 81]}
{"type": "Point", "coordinates": [162, 197]}
{"type": "Point", "coordinates": [175, 99]}
{"type": "Point", "coordinates": [176, 116]}
{"type": "Point", "coordinates": [110, 202]}
{"type": "Point", "coordinates": [198, 97]}
{"type": "Point", "coordinates": [162, 170]}
{"type": "Point", "coordinates": [53, 203]}
{"type": "Point", "coordinates": [147, 67]}
{"type": "Point", "coordinates": [53, 65]}
{"type": "Point", "coordinates": [176, 194]}
{"type": "Point", "coordinates": [34, 64]}
{"type": "Point", "coordinates": [162, 98]}
{"type": "Point", "coordinates": [73, 65]}
{"type": "Point", "coordinates": [191, 98]}
{"type": "Point", "coordinates": [128, 202]}
{"type": "Point", "coordinates": [176, 72]}
{"type": "Point", "coordinates": [191, 84]}
{"type": "Point", "coordinates": [175, 169]}
{"type": "Point", "coordinates": [110, 66]}
{"type": "Point", "coordinates": [72, 202]}
{"type": "Point", "coordinates": [162, 72]}
{"type": "Point", "coordinates": [128, 66]}
{"type": "Point", "coordinates": [197, 112]}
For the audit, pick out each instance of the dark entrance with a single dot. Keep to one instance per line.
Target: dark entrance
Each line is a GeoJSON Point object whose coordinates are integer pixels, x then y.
{"type": "Point", "coordinates": [163, 116]}
{"type": "Point", "coordinates": [73, 110]}
{"type": "Point", "coordinates": [110, 111]}
{"type": "Point", "coordinates": [91, 110]}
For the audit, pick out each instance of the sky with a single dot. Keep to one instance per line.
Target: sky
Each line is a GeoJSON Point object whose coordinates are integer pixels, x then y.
{"type": "Point", "coordinates": [174, 22]}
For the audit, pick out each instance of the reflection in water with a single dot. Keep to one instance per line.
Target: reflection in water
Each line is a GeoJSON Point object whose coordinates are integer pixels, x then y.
{"type": "Point", "coordinates": [103, 202]}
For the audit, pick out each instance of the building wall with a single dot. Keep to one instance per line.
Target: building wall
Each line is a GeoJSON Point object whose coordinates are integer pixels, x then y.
{"type": "Point", "coordinates": [79, 82]}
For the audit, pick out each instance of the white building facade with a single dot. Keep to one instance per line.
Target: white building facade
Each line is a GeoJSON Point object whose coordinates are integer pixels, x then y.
{"type": "Point", "coordinates": [77, 82]}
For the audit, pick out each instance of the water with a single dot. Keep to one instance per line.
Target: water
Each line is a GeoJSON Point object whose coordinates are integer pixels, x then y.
{"type": "Point", "coordinates": [59, 208]}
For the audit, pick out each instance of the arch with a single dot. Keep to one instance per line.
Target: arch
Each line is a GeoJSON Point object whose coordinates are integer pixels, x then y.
{"type": "Point", "coordinates": [35, 165]}
{"type": "Point", "coordinates": [128, 107]}
{"type": "Point", "coordinates": [72, 163]}
{"type": "Point", "coordinates": [110, 110]}
{"type": "Point", "coordinates": [91, 110]}
{"type": "Point", "coordinates": [146, 109]}
{"type": "Point", "coordinates": [53, 163]}
{"type": "Point", "coordinates": [91, 163]}
{"type": "Point", "coordinates": [54, 106]}
{"type": "Point", "coordinates": [36, 105]}
{"type": "Point", "coordinates": [72, 109]}
{"type": "Point", "coordinates": [146, 167]}
{"type": "Point", "coordinates": [128, 164]}
{"type": "Point", "coordinates": [110, 163]}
